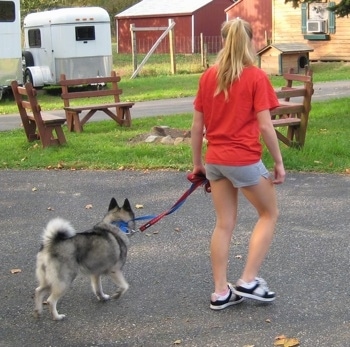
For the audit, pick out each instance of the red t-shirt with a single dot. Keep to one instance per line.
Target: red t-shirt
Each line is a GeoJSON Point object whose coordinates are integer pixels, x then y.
{"type": "Point", "coordinates": [231, 126]}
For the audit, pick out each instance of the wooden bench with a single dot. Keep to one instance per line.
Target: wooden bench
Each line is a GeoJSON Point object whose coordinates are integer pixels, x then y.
{"type": "Point", "coordinates": [122, 109]}
{"type": "Point", "coordinates": [37, 125]}
{"type": "Point", "coordinates": [293, 115]}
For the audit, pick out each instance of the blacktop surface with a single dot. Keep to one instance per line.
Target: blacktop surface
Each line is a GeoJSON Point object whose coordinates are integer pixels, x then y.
{"type": "Point", "coordinates": [168, 265]}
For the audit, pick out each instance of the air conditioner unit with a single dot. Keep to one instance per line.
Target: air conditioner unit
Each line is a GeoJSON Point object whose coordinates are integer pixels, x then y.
{"type": "Point", "coordinates": [316, 26]}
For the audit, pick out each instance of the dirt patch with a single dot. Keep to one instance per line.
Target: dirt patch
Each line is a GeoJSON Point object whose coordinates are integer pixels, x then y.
{"type": "Point", "coordinates": [162, 132]}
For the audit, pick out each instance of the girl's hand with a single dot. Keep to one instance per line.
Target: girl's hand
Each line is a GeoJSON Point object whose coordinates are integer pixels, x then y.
{"type": "Point", "coordinates": [279, 174]}
{"type": "Point", "coordinates": [198, 170]}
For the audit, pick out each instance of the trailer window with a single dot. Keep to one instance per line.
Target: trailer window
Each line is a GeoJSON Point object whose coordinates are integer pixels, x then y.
{"type": "Point", "coordinates": [34, 38]}
{"type": "Point", "coordinates": [7, 11]}
{"type": "Point", "coordinates": [85, 33]}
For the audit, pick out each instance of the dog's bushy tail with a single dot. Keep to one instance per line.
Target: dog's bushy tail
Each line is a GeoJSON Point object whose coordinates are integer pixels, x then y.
{"type": "Point", "coordinates": [57, 228]}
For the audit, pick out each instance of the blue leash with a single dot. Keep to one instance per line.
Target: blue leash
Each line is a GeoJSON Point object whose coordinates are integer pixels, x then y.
{"type": "Point", "coordinates": [197, 181]}
{"type": "Point", "coordinates": [172, 209]}
{"type": "Point", "coordinates": [123, 226]}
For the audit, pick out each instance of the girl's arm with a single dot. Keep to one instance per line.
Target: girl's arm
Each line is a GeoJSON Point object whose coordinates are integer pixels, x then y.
{"type": "Point", "coordinates": [197, 142]}
{"type": "Point", "coordinates": [269, 136]}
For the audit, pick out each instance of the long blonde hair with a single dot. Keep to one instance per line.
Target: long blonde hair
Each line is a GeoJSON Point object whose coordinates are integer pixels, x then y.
{"type": "Point", "coordinates": [237, 53]}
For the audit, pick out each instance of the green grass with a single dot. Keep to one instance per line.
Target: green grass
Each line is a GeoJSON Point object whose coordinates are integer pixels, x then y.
{"type": "Point", "coordinates": [164, 85]}
{"type": "Point", "coordinates": [104, 145]}
{"type": "Point", "coordinates": [159, 64]}
{"type": "Point", "coordinates": [139, 89]}
{"type": "Point", "coordinates": [327, 140]}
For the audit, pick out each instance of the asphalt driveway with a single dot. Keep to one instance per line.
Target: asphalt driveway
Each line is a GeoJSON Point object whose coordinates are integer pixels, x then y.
{"type": "Point", "coordinates": [168, 267]}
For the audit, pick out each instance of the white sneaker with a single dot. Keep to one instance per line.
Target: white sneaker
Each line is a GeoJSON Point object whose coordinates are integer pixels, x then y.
{"type": "Point", "coordinates": [259, 291]}
{"type": "Point", "coordinates": [216, 303]}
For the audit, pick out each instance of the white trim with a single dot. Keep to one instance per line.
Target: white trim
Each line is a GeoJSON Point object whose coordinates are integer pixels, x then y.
{"type": "Point", "coordinates": [163, 7]}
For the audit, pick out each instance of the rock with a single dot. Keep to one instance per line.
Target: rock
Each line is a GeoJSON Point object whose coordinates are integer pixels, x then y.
{"type": "Point", "coordinates": [160, 130]}
{"type": "Point", "coordinates": [151, 138]}
{"type": "Point", "coordinates": [167, 140]}
{"type": "Point", "coordinates": [164, 135]}
{"type": "Point", "coordinates": [178, 140]}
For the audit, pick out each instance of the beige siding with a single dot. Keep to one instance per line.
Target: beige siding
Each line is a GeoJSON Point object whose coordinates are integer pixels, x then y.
{"type": "Point", "coordinates": [269, 64]}
{"type": "Point", "coordinates": [287, 28]}
{"type": "Point", "coordinates": [290, 61]}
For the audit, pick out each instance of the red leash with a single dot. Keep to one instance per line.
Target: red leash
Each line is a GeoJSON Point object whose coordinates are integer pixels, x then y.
{"type": "Point", "coordinates": [199, 178]}
{"type": "Point", "coordinates": [197, 181]}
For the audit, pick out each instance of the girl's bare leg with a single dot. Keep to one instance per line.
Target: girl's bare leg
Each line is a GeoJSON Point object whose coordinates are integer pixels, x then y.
{"type": "Point", "coordinates": [224, 197]}
{"type": "Point", "coordinates": [263, 197]}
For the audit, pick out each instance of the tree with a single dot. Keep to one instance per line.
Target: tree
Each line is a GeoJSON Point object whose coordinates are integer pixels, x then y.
{"type": "Point", "coordinates": [341, 10]}
{"type": "Point", "coordinates": [113, 7]}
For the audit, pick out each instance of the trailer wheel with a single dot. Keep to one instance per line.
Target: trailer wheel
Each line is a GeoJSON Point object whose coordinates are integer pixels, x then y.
{"type": "Point", "coordinates": [27, 59]}
{"type": "Point", "coordinates": [28, 76]}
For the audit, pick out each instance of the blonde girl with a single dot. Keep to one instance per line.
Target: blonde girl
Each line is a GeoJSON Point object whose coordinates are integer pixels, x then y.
{"type": "Point", "coordinates": [232, 107]}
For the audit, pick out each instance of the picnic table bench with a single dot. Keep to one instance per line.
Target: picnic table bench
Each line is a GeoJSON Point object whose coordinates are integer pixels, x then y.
{"type": "Point", "coordinates": [121, 113]}
{"type": "Point", "coordinates": [37, 125]}
{"type": "Point", "coordinates": [293, 115]}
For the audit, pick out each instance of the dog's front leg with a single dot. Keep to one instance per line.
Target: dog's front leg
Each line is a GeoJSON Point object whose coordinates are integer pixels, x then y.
{"type": "Point", "coordinates": [97, 288]}
{"type": "Point", "coordinates": [119, 279]}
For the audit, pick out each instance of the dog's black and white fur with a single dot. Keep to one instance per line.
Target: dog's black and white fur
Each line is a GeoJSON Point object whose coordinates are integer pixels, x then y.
{"type": "Point", "coordinates": [99, 251]}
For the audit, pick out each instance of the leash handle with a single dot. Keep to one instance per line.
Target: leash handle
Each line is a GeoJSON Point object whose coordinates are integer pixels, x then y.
{"type": "Point", "coordinates": [200, 177]}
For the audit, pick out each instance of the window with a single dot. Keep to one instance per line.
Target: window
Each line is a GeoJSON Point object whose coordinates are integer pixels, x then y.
{"type": "Point", "coordinates": [34, 38]}
{"type": "Point", "coordinates": [7, 11]}
{"type": "Point", "coordinates": [85, 33]}
{"type": "Point", "coordinates": [317, 23]}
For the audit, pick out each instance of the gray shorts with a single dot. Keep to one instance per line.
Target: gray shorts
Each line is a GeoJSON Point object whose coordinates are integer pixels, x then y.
{"type": "Point", "coordinates": [240, 176]}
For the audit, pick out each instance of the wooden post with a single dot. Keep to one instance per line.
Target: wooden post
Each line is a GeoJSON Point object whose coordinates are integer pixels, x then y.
{"type": "Point", "coordinates": [172, 48]}
{"type": "Point", "coordinates": [133, 47]}
{"type": "Point", "coordinates": [205, 60]}
{"type": "Point", "coordinates": [202, 49]}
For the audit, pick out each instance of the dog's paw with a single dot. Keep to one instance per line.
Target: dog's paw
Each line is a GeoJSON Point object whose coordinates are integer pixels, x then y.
{"type": "Point", "coordinates": [103, 297]}
{"type": "Point", "coordinates": [59, 317]}
{"type": "Point", "coordinates": [37, 314]}
{"type": "Point", "coordinates": [119, 293]}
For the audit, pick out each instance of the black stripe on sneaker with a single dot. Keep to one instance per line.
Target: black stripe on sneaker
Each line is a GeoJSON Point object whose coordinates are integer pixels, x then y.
{"type": "Point", "coordinates": [246, 290]}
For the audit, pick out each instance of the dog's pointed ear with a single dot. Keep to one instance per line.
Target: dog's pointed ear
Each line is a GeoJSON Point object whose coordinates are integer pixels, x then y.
{"type": "Point", "coordinates": [127, 206]}
{"type": "Point", "coordinates": [113, 204]}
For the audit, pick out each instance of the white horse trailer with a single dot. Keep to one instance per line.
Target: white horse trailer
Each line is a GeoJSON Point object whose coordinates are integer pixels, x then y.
{"type": "Point", "coordinates": [10, 44]}
{"type": "Point", "coordinates": [71, 41]}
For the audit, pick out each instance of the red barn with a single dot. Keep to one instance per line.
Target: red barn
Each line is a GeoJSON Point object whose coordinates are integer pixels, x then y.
{"type": "Point", "coordinates": [192, 18]}
{"type": "Point", "coordinates": [259, 14]}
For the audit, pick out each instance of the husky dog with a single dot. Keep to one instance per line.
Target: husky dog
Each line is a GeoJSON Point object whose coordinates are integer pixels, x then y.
{"type": "Point", "coordinates": [99, 251]}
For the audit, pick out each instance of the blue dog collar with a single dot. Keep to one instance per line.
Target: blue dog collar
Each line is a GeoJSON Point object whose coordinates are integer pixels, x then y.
{"type": "Point", "coordinates": [124, 226]}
